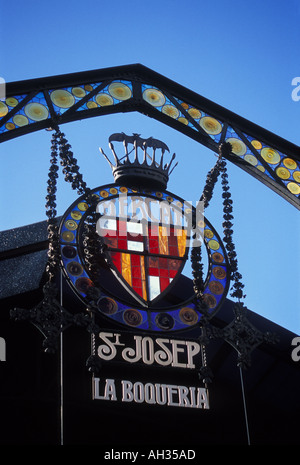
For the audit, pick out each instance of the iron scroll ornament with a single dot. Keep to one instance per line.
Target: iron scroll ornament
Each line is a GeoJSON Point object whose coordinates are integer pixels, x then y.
{"type": "Point", "coordinates": [127, 309]}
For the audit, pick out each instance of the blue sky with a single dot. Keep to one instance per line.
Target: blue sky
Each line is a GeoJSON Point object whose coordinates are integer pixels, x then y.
{"type": "Point", "coordinates": [240, 55]}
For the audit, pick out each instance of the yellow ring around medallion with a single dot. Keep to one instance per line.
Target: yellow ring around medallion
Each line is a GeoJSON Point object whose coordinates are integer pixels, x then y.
{"type": "Point", "coordinates": [293, 188]}
{"type": "Point", "coordinates": [270, 155]}
{"type": "Point", "coordinates": [3, 109]}
{"type": "Point", "coordinates": [104, 99]}
{"type": "Point", "coordinates": [170, 110]}
{"type": "Point", "coordinates": [194, 113]}
{"type": "Point", "coordinates": [251, 159]}
{"type": "Point", "coordinates": [78, 92]}
{"type": "Point", "coordinates": [62, 98]}
{"type": "Point", "coordinates": [296, 176]}
{"type": "Point", "coordinates": [36, 111]}
{"type": "Point", "coordinates": [238, 146]}
{"type": "Point", "coordinates": [20, 120]}
{"type": "Point", "coordinates": [155, 97]}
{"type": "Point", "coordinates": [283, 173]}
{"type": "Point", "coordinates": [119, 90]}
{"type": "Point", "coordinates": [11, 101]}
{"type": "Point", "coordinates": [289, 163]}
{"type": "Point", "coordinates": [210, 125]}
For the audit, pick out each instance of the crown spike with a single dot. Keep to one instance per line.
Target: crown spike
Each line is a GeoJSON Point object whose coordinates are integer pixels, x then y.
{"type": "Point", "coordinates": [171, 161]}
{"type": "Point", "coordinates": [102, 151]}
{"type": "Point", "coordinates": [113, 152]}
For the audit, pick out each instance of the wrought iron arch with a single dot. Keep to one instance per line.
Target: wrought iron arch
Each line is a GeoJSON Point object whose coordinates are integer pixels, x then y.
{"type": "Point", "coordinates": [42, 103]}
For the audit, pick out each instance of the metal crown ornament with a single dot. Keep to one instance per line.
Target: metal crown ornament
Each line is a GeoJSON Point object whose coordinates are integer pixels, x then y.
{"type": "Point", "coordinates": [135, 173]}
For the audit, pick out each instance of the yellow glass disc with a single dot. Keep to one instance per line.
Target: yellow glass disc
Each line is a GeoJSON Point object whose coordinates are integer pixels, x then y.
{"type": "Point", "coordinates": [83, 206]}
{"type": "Point", "coordinates": [104, 194]}
{"type": "Point", "coordinates": [183, 120]}
{"type": "Point", "coordinates": [188, 316]}
{"type": "Point", "coordinates": [210, 125]}
{"type": "Point", "coordinates": [217, 257]}
{"type": "Point", "coordinates": [154, 97]}
{"type": "Point", "coordinates": [10, 126]}
{"type": "Point", "coordinates": [251, 159]}
{"type": "Point", "coordinates": [79, 92]}
{"type": "Point", "coordinates": [282, 173]}
{"type": "Point", "coordinates": [36, 111]}
{"type": "Point", "coordinates": [20, 120]}
{"type": "Point", "coordinates": [119, 91]}
{"type": "Point", "coordinates": [70, 224]}
{"type": "Point", "coordinates": [11, 101]}
{"type": "Point", "coordinates": [290, 163]}
{"type": "Point", "coordinates": [76, 215]}
{"type": "Point", "coordinates": [88, 87]}
{"type": "Point", "coordinates": [219, 272]}
{"type": "Point", "coordinates": [270, 155]}
{"type": "Point", "coordinates": [210, 300]}
{"type": "Point", "coordinates": [293, 188]}
{"type": "Point", "coordinates": [91, 104]}
{"type": "Point", "coordinates": [104, 99]}
{"type": "Point", "coordinates": [208, 233]}
{"type": "Point", "coordinates": [216, 287]}
{"type": "Point", "coordinates": [3, 109]}
{"type": "Point", "coordinates": [62, 98]}
{"type": "Point", "coordinates": [170, 110]}
{"type": "Point", "coordinates": [214, 245]}
{"type": "Point", "coordinates": [68, 236]}
{"type": "Point", "coordinates": [296, 176]}
{"type": "Point", "coordinates": [194, 113]}
{"type": "Point", "coordinates": [184, 105]}
{"type": "Point", "coordinates": [238, 146]}
{"type": "Point", "coordinates": [261, 168]}
{"type": "Point", "coordinates": [256, 144]}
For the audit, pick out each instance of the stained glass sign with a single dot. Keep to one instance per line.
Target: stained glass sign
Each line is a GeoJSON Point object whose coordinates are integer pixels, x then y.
{"type": "Point", "coordinates": [145, 236]}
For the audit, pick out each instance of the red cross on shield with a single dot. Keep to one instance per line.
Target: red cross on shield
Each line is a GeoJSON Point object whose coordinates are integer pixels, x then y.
{"type": "Point", "coordinates": [147, 257]}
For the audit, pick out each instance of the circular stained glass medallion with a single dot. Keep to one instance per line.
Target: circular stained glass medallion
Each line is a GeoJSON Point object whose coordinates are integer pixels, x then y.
{"type": "Point", "coordinates": [155, 97]}
{"type": "Point", "coordinates": [141, 264]}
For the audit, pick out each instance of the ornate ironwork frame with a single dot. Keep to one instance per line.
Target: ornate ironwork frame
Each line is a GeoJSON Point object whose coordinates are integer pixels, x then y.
{"type": "Point", "coordinates": [180, 108]}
